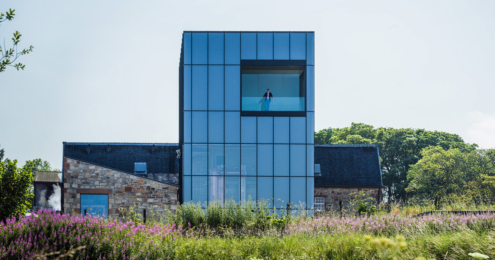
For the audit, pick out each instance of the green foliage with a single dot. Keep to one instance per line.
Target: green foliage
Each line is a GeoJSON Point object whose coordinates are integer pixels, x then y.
{"type": "Point", "coordinates": [43, 166]}
{"type": "Point", "coordinates": [2, 154]}
{"type": "Point", "coordinates": [15, 189]}
{"type": "Point", "coordinates": [442, 174]}
{"type": "Point", "coordinates": [9, 56]}
{"type": "Point", "coordinates": [399, 149]}
{"type": "Point", "coordinates": [363, 203]}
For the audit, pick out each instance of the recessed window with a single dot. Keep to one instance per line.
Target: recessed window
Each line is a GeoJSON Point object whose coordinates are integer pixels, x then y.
{"type": "Point", "coordinates": [273, 88]}
{"type": "Point", "coordinates": [94, 205]}
{"type": "Point", "coordinates": [319, 204]}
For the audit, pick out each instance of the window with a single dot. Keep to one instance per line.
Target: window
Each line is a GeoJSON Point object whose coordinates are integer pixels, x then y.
{"type": "Point", "coordinates": [94, 205]}
{"type": "Point", "coordinates": [286, 85]}
{"type": "Point", "coordinates": [140, 168]}
{"type": "Point", "coordinates": [319, 204]}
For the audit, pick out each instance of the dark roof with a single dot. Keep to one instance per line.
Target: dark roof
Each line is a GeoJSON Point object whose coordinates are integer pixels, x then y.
{"type": "Point", "coordinates": [159, 157]}
{"type": "Point", "coordinates": [348, 166]}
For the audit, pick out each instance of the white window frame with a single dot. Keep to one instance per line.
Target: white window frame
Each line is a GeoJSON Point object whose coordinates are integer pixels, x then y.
{"type": "Point", "coordinates": [319, 204]}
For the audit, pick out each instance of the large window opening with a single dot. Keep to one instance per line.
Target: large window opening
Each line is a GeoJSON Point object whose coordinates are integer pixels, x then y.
{"type": "Point", "coordinates": [273, 88]}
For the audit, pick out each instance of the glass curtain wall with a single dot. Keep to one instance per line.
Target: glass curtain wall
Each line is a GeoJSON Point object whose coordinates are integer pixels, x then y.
{"type": "Point", "coordinates": [229, 156]}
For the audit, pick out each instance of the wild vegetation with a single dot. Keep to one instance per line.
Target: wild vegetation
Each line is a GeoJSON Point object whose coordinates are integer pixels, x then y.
{"type": "Point", "coordinates": [422, 164]}
{"type": "Point", "coordinates": [243, 232]}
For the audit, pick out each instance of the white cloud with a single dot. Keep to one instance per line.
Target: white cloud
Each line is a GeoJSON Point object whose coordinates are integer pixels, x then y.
{"type": "Point", "coordinates": [482, 132]}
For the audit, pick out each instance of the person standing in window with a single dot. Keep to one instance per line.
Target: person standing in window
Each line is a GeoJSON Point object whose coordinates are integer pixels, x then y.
{"type": "Point", "coordinates": [268, 95]}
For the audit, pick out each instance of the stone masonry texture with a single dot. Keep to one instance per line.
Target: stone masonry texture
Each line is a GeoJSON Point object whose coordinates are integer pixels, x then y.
{"type": "Point", "coordinates": [334, 195]}
{"type": "Point", "coordinates": [124, 190]}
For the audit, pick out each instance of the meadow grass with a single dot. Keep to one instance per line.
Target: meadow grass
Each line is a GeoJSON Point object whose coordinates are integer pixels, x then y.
{"type": "Point", "coordinates": [251, 231]}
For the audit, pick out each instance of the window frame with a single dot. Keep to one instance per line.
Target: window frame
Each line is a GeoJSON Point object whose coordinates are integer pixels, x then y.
{"type": "Point", "coordinates": [317, 205]}
{"type": "Point", "coordinates": [278, 63]}
{"type": "Point", "coordinates": [81, 208]}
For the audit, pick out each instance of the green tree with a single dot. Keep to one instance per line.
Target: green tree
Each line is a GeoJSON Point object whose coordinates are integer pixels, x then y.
{"type": "Point", "coordinates": [9, 56]}
{"type": "Point", "coordinates": [399, 149]}
{"type": "Point", "coordinates": [42, 166]}
{"type": "Point", "coordinates": [15, 188]}
{"type": "Point", "coordinates": [2, 154]}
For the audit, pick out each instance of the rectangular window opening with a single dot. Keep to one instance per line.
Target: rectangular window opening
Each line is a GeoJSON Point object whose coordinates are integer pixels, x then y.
{"type": "Point", "coordinates": [319, 204]}
{"type": "Point", "coordinates": [272, 89]}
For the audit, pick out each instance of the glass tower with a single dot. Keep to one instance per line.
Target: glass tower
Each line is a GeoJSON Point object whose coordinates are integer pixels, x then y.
{"type": "Point", "coordinates": [247, 117]}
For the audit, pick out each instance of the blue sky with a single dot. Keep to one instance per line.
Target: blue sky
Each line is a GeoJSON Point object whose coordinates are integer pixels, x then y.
{"type": "Point", "coordinates": [107, 71]}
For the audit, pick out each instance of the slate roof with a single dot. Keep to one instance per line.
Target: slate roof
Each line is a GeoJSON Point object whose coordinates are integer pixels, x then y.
{"type": "Point", "coordinates": [159, 157]}
{"type": "Point", "coordinates": [348, 166]}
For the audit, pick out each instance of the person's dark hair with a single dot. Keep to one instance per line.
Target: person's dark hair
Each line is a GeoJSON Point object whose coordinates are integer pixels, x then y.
{"type": "Point", "coordinates": [267, 89]}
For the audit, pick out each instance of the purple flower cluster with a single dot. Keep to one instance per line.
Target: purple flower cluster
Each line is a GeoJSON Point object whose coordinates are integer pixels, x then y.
{"type": "Point", "coordinates": [51, 232]}
{"type": "Point", "coordinates": [391, 224]}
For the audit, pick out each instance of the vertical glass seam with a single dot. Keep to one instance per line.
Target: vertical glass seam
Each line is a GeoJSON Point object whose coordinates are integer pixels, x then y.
{"type": "Point", "coordinates": [207, 120]}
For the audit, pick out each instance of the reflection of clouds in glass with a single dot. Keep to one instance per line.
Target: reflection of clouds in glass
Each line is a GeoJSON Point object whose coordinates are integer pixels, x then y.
{"type": "Point", "coordinates": [55, 199]}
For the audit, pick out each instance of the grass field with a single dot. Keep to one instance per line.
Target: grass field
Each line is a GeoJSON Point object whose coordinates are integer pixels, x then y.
{"type": "Point", "coordinates": [250, 232]}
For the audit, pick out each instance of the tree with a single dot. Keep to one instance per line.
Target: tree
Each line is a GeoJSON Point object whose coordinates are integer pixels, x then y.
{"type": "Point", "coordinates": [42, 166]}
{"type": "Point", "coordinates": [2, 154]}
{"type": "Point", "coordinates": [453, 173]}
{"type": "Point", "coordinates": [9, 56]}
{"type": "Point", "coordinates": [15, 189]}
{"type": "Point", "coordinates": [399, 149]}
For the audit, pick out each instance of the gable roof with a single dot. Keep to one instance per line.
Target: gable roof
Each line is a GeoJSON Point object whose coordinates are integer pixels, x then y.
{"type": "Point", "coordinates": [160, 158]}
{"type": "Point", "coordinates": [348, 166]}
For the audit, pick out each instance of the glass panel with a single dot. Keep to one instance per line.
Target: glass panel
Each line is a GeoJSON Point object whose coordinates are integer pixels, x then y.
{"type": "Point", "coordinates": [281, 160]}
{"type": "Point", "coordinates": [298, 130]}
{"type": "Point", "coordinates": [310, 124]}
{"type": "Point", "coordinates": [232, 87]}
{"type": "Point", "coordinates": [200, 189]}
{"type": "Point", "coordinates": [248, 129]}
{"type": "Point", "coordinates": [273, 88]}
{"type": "Point", "coordinates": [281, 192]}
{"type": "Point", "coordinates": [297, 160]}
{"type": "Point", "coordinates": [215, 127]}
{"type": "Point", "coordinates": [281, 130]}
{"type": "Point", "coordinates": [186, 188]}
{"type": "Point", "coordinates": [310, 192]}
{"type": "Point", "coordinates": [215, 87]}
{"type": "Point", "coordinates": [199, 159]}
{"type": "Point", "coordinates": [298, 192]}
{"type": "Point", "coordinates": [232, 48]}
{"type": "Point", "coordinates": [199, 87]}
{"type": "Point", "coordinates": [232, 159]}
{"type": "Point", "coordinates": [265, 190]}
{"type": "Point", "coordinates": [248, 159]}
{"type": "Point", "coordinates": [281, 46]}
{"type": "Point", "coordinates": [232, 127]}
{"type": "Point", "coordinates": [265, 160]}
{"type": "Point", "coordinates": [248, 188]}
{"type": "Point", "coordinates": [248, 46]}
{"type": "Point", "coordinates": [215, 46]}
{"type": "Point", "coordinates": [297, 46]}
{"type": "Point", "coordinates": [186, 159]}
{"type": "Point", "coordinates": [94, 205]}
{"type": "Point", "coordinates": [232, 188]}
{"type": "Point", "coordinates": [215, 188]}
{"type": "Point", "coordinates": [199, 127]}
{"type": "Point", "coordinates": [187, 127]}
{"type": "Point", "coordinates": [311, 160]}
{"type": "Point", "coordinates": [187, 48]}
{"type": "Point", "coordinates": [310, 58]}
{"type": "Point", "coordinates": [265, 129]}
{"type": "Point", "coordinates": [265, 46]}
{"type": "Point", "coordinates": [187, 87]}
{"type": "Point", "coordinates": [216, 159]}
{"type": "Point", "coordinates": [199, 52]}
{"type": "Point", "coordinates": [310, 88]}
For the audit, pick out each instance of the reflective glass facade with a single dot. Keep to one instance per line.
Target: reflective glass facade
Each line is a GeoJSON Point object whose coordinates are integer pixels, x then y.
{"type": "Point", "coordinates": [228, 154]}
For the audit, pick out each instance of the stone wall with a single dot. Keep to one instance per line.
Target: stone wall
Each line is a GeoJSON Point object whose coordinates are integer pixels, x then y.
{"type": "Point", "coordinates": [123, 189]}
{"type": "Point", "coordinates": [333, 196]}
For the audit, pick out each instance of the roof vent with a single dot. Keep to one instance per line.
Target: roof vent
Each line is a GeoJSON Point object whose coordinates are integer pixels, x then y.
{"type": "Point", "coordinates": [317, 170]}
{"type": "Point", "coordinates": [140, 168]}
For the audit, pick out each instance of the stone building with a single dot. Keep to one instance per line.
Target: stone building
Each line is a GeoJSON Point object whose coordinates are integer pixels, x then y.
{"type": "Point", "coordinates": [246, 130]}
{"type": "Point", "coordinates": [346, 169]}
